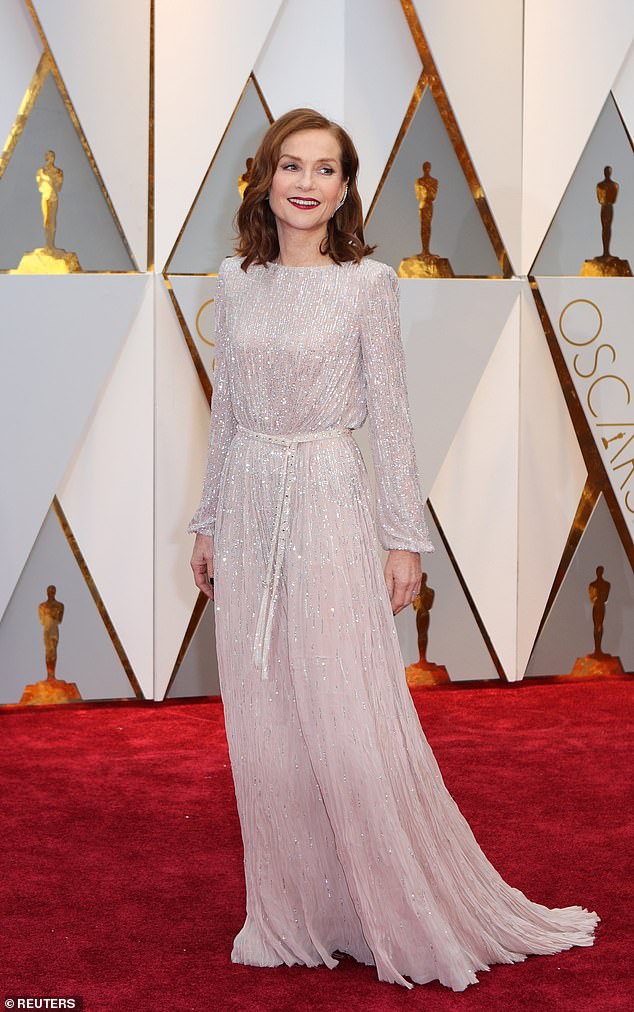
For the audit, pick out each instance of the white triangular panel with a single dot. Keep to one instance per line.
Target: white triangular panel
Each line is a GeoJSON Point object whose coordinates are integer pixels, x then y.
{"type": "Point", "coordinates": [196, 96]}
{"type": "Point", "coordinates": [290, 66]}
{"type": "Point", "coordinates": [109, 487]}
{"type": "Point", "coordinates": [593, 325]}
{"type": "Point", "coordinates": [111, 95]}
{"type": "Point", "coordinates": [446, 358]}
{"type": "Point", "coordinates": [182, 427]}
{"type": "Point", "coordinates": [623, 91]}
{"type": "Point", "coordinates": [551, 479]}
{"type": "Point", "coordinates": [477, 49]}
{"type": "Point", "coordinates": [20, 51]}
{"type": "Point", "coordinates": [573, 51]}
{"type": "Point", "coordinates": [377, 36]}
{"type": "Point", "coordinates": [356, 35]}
{"type": "Point", "coordinates": [195, 296]}
{"type": "Point", "coordinates": [51, 372]}
{"type": "Point", "coordinates": [475, 494]}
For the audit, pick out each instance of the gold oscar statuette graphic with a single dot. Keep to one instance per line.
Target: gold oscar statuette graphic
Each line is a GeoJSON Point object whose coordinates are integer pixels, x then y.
{"type": "Point", "coordinates": [51, 689]}
{"type": "Point", "coordinates": [598, 663]}
{"type": "Point", "coordinates": [425, 264]}
{"type": "Point", "coordinates": [48, 259]}
{"type": "Point", "coordinates": [606, 265]}
{"type": "Point", "coordinates": [424, 672]}
{"type": "Point", "coordinates": [243, 180]}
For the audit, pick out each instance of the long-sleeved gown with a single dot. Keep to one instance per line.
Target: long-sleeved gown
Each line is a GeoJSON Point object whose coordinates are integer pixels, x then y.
{"type": "Point", "coordinates": [351, 840]}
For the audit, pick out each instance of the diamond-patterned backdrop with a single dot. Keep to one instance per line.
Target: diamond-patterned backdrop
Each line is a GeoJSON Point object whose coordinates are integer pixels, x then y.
{"type": "Point", "coordinates": [520, 371]}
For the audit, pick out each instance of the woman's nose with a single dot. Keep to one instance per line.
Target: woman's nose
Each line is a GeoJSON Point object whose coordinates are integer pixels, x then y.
{"type": "Point", "coordinates": [306, 180]}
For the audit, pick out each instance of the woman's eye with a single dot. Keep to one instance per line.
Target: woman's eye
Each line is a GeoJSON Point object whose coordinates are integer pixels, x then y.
{"type": "Point", "coordinates": [291, 165]}
{"type": "Point", "coordinates": [327, 169]}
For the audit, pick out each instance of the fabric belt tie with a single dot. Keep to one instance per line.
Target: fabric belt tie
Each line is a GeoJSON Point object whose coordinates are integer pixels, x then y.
{"type": "Point", "coordinates": [264, 624]}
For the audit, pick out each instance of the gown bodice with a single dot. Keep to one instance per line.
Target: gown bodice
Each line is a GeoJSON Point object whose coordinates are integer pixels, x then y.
{"type": "Point", "coordinates": [300, 349]}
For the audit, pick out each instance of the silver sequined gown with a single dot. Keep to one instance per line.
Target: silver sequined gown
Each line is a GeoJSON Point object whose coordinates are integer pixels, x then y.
{"type": "Point", "coordinates": [351, 839]}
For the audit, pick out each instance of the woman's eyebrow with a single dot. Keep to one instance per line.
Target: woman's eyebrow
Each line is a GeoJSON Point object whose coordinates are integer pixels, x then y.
{"type": "Point", "coordinates": [296, 159]}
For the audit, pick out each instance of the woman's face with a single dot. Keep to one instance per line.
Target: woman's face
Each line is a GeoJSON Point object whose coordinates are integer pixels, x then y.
{"type": "Point", "coordinates": [308, 183]}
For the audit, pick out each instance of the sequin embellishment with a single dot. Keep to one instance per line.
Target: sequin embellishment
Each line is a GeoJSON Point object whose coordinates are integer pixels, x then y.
{"type": "Point", "coordinates": [264, 625]}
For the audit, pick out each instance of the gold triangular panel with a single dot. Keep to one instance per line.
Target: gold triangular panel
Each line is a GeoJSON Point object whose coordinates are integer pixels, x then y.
{"type": "Point", "coordinates": [208, 234]}
{"type": "Point", "coordinates": [84, 221]}
{"type": "Point", "coordinates": [87, 654]}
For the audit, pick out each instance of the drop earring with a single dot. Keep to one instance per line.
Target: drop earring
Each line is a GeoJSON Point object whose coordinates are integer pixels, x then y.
{"type": "Point", "coordinates": [342, 201]}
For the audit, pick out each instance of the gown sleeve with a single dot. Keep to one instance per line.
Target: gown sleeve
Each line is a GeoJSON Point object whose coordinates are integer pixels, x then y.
{"type": "Point", "coordinates": [222, 424]}
{"type": "Point", "coordinates": [400, 516]}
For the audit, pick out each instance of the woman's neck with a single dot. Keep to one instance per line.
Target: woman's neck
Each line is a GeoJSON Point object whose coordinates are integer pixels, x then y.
{"type": "Point", "coordinates": [301, 249]}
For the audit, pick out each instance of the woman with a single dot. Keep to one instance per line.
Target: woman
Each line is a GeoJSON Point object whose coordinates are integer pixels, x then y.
{"type": "Point", "coordinates": [352, 842]}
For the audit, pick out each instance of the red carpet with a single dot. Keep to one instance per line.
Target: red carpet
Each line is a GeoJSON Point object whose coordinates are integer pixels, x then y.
{"type": "Point", "coordinates": [122, 870]}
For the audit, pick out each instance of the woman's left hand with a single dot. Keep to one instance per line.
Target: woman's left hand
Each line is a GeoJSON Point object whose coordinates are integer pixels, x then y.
{"type": "Point", "coordinates": [402, 577]}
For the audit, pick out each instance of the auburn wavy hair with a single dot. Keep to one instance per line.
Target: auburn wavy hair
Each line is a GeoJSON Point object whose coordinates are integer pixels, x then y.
{"type": "Point", "coordinates": [255, 223]}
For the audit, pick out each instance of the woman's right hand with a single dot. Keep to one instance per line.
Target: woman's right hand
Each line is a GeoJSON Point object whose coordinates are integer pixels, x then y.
{"type": "Point", "coordinates": [202, 563]}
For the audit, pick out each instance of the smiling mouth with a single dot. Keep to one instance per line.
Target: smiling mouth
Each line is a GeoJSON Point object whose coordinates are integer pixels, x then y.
{"type": "Point", "coordinates": [305, 203]}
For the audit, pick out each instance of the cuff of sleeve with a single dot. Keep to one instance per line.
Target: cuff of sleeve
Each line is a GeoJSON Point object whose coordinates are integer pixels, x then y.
{"type": "Point", "coordinates": [200, 528]}
{"type": "Point", "coordinates": [422, 548]}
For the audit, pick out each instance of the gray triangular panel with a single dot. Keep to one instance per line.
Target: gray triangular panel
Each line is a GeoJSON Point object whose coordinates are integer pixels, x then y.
{"type": "Point", "coordinates": [575, 232]}
{"type": "Point", "coordinates": [455, 640]}
{"type": "Point", "coordinates": [86, 654]}
{"type": "Point", "coordinates": [457, 231]}
{"type": "Point", "coordinates": [208, 236]}
{"type": "Point", "coordinates": [568, 632]}
{"type": "Point", "coordinates": [198, 673]}
{"type": "Point", "coordinates": [85, 225]}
